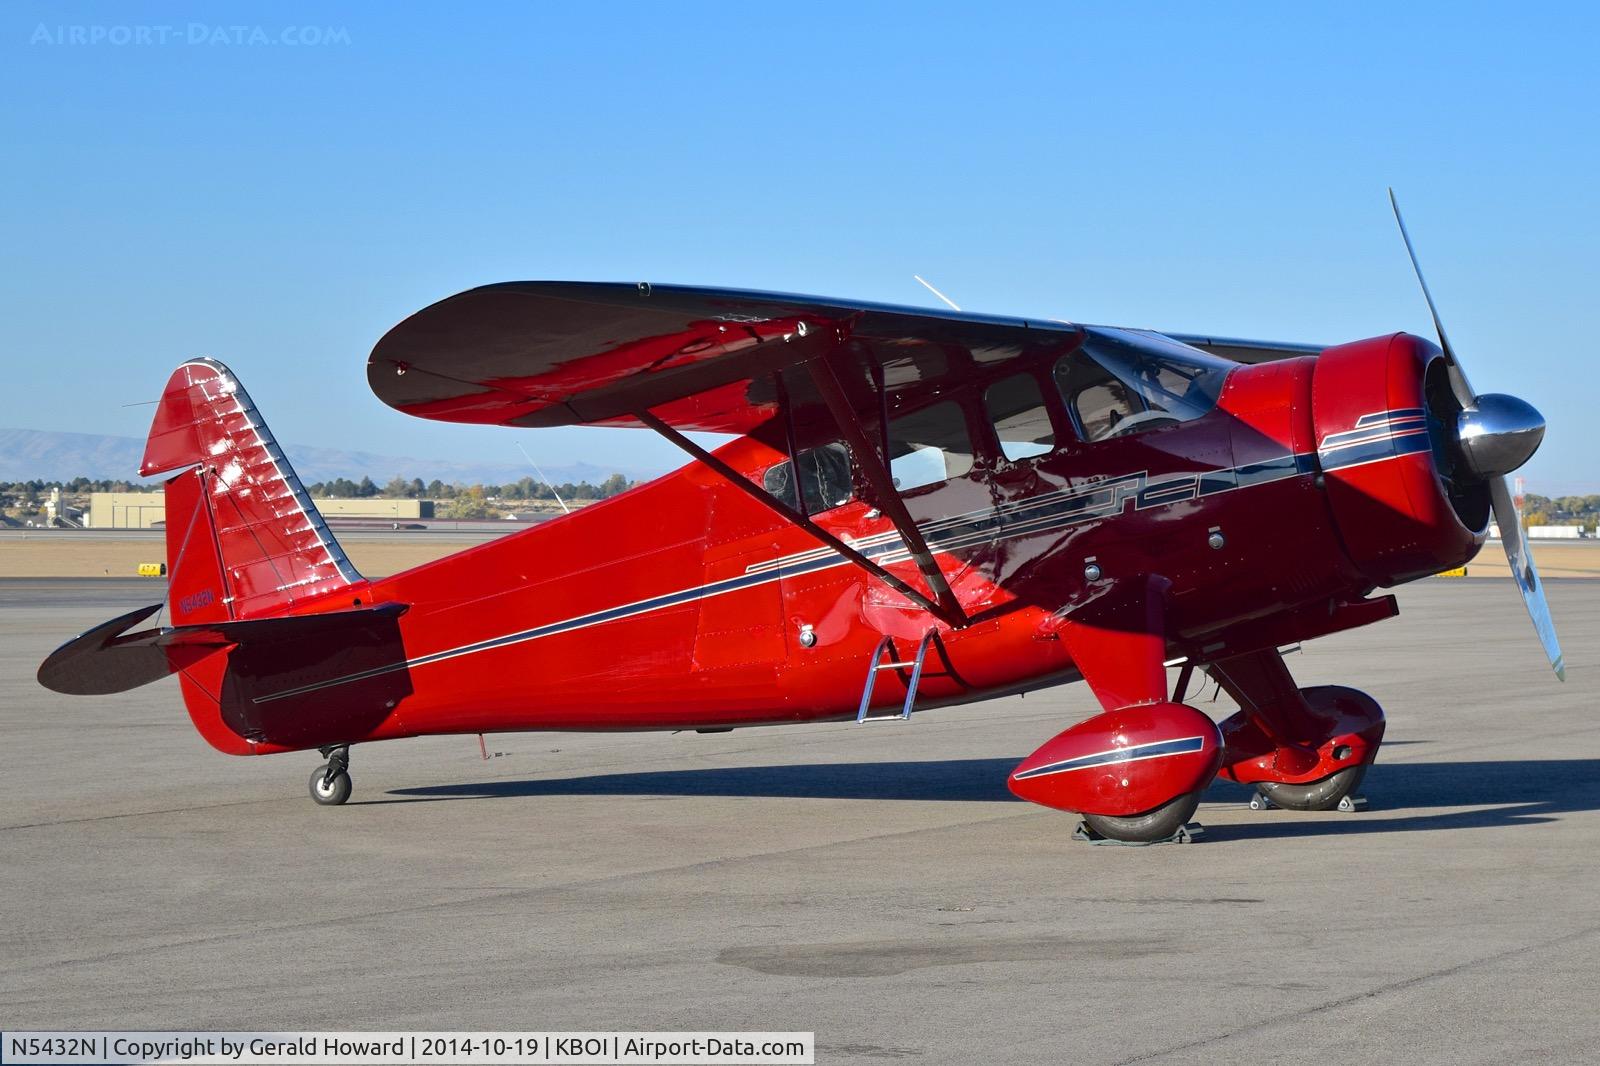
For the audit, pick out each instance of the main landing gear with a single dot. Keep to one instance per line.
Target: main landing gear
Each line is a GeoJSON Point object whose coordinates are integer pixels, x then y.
{"type": "Point", "coordinates": [330, 782]}
{"type": "Point", "coordinates": [1304, 749]}
{"type": "Point", "coordinates": [1168, 822]}
{"type": "Point", "coordinates": [1335, 793]}
{"type": "Point", "coordinates": [1136, 771]}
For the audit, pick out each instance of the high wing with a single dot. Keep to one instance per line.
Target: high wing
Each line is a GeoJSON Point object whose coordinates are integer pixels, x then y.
{"type": "Point", "coordinates": [550, 353]}
{"type": "Point", "coordinates": [1246, 351]}
{"type": "Point", "coordinates": [675, 359]}
{"type": "Point", "coordinates": [546, 353]}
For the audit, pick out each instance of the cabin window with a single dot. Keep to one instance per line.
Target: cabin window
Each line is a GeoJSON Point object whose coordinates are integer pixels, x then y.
{"type": "Point", "coordinates": [1100, 404]}
{"type": "Point", "coordinates": [1123, 381]}
{"type": "Point", "coordinates": [1021, 420]}
{"type": "Point", "coordinates": [825, 478]}
{"type": "Point", "coordinates": [929, 446]}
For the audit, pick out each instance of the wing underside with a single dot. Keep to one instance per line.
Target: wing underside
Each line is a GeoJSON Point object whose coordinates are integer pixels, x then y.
{"type": "Point", "coordinates": [676, 359]}
{"type": "Point", "coordinates": [569, 353]}
{"type": "Point", "coordinates": [546, 353]}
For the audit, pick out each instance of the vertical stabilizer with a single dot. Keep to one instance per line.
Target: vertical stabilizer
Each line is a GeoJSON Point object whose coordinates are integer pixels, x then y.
{"type": "Point", "coordinates": [243, 539]}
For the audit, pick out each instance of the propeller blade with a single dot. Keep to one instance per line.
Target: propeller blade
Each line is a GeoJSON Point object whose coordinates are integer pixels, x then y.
{"type": "Point", "coordinates": [1509, 518]}
{"type": "Point", "coordinates": [1458, 378]}
{"type": "Point", "coordinates": [1507, 515]}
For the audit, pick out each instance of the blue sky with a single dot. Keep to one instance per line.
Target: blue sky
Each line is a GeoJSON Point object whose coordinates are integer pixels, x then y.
{"type": "Point", "coordinates": [1195, 167]}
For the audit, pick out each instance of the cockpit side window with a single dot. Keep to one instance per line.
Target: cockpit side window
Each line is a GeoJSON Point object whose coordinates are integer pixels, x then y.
{"type": "Point", "coordinates": [1123, 381]}
{"type": "Point", "coordinates": [1021, 420]}
{"type": "Point", "coordinates": [929, 446]}
{"type": "Point", "coordinates": [825, 478]}
{"type": "Point", "coordinates": [1097, 402]}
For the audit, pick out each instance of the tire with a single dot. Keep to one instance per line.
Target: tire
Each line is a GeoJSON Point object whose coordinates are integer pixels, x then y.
{"type": "Point", "coordinates": [1321, 795]}
{"type": "Point", "coordinates": [333, 792]}
{"type": "Point", "coordinates": [1158, 824]}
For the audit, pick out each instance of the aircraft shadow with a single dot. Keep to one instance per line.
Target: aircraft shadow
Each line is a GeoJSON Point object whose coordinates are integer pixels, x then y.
{"type": "Point", "coordinates": [1404, 797]}
{"type": "Point", "coordinates": [980, 780]}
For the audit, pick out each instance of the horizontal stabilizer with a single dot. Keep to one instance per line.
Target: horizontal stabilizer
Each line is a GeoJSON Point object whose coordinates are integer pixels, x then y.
{"type": "Point", "coordinates": [104, 660]}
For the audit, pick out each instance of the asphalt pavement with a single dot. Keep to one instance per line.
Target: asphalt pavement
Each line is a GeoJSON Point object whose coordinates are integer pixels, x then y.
{"type": "Point", "coordinates": [876, 884]}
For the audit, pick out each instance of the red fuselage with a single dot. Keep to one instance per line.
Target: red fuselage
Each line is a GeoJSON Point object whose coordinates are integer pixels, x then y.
{"type": "Point", "coordinates": [682, 603]}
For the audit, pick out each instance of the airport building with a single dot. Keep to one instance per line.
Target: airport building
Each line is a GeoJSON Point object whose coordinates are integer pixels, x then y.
{"type": "Point", "coordinates": [1571, 531]}
{"type": "Point", "coordinates": [144, 510]}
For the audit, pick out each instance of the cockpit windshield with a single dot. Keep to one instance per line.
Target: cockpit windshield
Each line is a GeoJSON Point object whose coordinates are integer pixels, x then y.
{"type": "Point", "coordinates": [1122, 381]}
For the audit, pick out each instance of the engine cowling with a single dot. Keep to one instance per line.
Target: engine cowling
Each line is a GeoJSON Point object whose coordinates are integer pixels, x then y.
{"type": "Point", "coordinates": [1405, 501]}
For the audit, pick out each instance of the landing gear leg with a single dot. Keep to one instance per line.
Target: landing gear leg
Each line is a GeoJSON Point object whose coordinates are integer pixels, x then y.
{"type": "Point", "coordinates": [1304, 749]}
{"type": "Point", "coordinates": [330, 782]}
{"type": "Point", "coordinates": [1136, 771]}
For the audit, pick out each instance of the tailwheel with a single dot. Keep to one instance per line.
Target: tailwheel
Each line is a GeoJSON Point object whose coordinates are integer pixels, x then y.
{"type": "Point", "coordinates": [1322, 795]}
{"type": "Point", "coordinates": [1162, 823]}
{"type": "Point", "coordinates": [330, 782]}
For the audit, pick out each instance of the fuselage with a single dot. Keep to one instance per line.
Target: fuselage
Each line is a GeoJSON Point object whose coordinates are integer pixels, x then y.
{"type": "Point", "coordinates": [683, 603]}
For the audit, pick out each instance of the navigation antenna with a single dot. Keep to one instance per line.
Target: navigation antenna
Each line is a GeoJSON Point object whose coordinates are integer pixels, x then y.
{"type": "Point", "coordinates": [564, 508]}
{"type": "Point", "coordinates": [924, 283]}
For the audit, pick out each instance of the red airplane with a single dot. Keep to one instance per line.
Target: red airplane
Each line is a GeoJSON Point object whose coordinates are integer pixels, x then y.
{"type": "Point", "coordinates": [920, 509]}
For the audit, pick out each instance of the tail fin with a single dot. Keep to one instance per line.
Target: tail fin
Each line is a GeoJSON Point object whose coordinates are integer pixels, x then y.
{"type": "Point", "coordinates": [243, 539]}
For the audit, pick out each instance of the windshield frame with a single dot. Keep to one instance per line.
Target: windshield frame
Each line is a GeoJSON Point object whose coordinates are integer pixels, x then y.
{"type": "Point", "coordinates": [1135, 359]}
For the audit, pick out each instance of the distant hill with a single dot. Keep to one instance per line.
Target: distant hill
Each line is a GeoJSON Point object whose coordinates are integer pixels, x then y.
{"type": "Point", "coordinates": [27, 454]}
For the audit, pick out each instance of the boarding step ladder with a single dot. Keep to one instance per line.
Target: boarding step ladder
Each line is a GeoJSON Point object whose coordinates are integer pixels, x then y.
{"type": "Point", "coordinates": [914, 664]}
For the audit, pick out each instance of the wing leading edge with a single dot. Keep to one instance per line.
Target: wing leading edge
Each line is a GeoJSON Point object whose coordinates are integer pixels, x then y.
{"type": "Point", "coordinates": [1247, 351]}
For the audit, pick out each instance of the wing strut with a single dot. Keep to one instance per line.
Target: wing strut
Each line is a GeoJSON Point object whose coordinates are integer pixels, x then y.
{"type": "Point", "coordinates": [888, 498]}
{"type": "Point", "coordinates": [771, 502]}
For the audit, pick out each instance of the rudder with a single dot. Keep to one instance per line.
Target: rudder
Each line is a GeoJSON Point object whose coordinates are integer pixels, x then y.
{"type": "Point", "coordinates": [243, 538]}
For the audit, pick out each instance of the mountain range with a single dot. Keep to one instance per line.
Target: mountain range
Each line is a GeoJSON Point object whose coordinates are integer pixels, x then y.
{"type": "Point", "coordinates": [31, 454]}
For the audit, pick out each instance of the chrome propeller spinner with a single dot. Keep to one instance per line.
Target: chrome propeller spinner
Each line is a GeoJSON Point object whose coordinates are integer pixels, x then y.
{"type": "Point", "coordinates": [1495, 434]}
{"type": "Point", "coordinates": [1498, 433]}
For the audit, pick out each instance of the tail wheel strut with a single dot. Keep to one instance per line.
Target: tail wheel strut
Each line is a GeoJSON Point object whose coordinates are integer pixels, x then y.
{"type": "Point", "coordinates": [330, 782]}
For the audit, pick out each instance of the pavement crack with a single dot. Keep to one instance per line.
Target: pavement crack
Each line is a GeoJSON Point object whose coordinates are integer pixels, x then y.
{"type": "Point", "coordinates": [1372, 993]}
{"type": "Point", "coordinates": [134, 814]}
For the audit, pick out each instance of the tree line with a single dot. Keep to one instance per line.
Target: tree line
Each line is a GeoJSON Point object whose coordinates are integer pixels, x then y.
{"type": "Point", "coordinates": [1561, 510]}
{"type": "Point", "coordinates": [1538, 510]}
{"type": "Point", "coordinates": [456, 500]}
{"type": "Point", "coordinates": [77, 484]}
{"type": "Point", "coordinates": [415, 489]}
{"type": "Point", "coordinates": [343, 488]}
